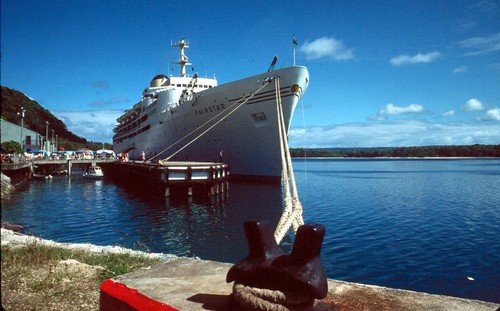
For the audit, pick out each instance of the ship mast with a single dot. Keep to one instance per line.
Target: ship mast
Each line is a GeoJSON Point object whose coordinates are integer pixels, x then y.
{"type": "Point", "coordinates": [183, 59]}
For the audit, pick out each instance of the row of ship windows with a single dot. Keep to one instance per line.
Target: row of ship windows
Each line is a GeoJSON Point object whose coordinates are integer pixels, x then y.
{"type": "Point", "coordinates": [119, 140]}
{"type": "Point", "coordinates": [178, 85]}
{"type": "Point", "coordinates": [201, 86]}
{"type": "Point", "coordinates": [133, 125]}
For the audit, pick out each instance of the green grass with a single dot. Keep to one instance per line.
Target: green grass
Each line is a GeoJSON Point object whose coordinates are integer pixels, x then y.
{"type": "Point", "coordinates": [35, 255]}
{"type": "Point", "coordinates": [31, 281]}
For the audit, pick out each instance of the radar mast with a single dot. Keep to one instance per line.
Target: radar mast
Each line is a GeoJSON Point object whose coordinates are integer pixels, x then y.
{"type": "Point", "coordinates": [183, 59]}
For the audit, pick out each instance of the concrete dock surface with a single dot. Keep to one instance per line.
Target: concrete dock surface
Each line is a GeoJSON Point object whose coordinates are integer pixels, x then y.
{"type": "Point", "coordinates": [192, 284]}
{"type": "Point", "coordinates": [182, 283]}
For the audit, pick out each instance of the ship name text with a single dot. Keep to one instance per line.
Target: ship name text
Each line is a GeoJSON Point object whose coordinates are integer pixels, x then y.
{"type": "Point", "coordinates": [209, 109]}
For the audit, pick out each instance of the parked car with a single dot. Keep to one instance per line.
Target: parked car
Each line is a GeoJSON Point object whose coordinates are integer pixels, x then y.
{"type": "Point", "coordinates": [40, 154]}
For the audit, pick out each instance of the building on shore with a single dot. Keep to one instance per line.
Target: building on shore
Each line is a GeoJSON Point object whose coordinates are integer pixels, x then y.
{"type": "Point", "coordinates": [28, 139]}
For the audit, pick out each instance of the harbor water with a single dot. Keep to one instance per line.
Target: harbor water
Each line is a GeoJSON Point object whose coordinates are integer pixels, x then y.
{"type": "Point", "coordinates": [419, 224]}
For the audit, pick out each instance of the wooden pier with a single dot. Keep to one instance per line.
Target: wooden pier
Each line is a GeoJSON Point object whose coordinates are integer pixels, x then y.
{"type": "Point", "coordinates": [202, 179]}
{"type": "Point", "coordinates": [21, 172]}
{"type": "Point", "coordinates": [46, 167]}
{"type": "Point", "coordinates": [171, 178]}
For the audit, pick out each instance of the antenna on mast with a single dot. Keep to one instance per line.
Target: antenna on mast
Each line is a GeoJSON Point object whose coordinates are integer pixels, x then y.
{"type": "Point", "coordinates": [294, 41]}
{"type": "Point", "coordinates": [183, 59]}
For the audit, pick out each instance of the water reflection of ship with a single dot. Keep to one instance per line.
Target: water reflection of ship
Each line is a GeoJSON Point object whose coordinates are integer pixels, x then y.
{"type": "Point", "coordinates": [210, 229]}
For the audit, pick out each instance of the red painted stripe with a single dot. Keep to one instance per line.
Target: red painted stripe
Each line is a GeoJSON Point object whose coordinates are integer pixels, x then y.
{"type": "Point", "coordinates": [131, 297]}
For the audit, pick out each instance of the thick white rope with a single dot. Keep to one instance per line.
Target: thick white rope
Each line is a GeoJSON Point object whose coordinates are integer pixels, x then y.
{"type": "Point", "coordinates": [282, 226]}
{"type": "Point", "coordinates": [292, 210]}
{"type": "Point", "coordinates": [250, 298]}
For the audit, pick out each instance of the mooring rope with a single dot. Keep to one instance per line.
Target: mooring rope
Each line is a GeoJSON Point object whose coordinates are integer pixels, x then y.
{"type": "Point", "coordinates": [238, 105]}
{"type": "Point", "coordinates": [292, 210]}
{"type": "Point", "coordinates": [251, 298]}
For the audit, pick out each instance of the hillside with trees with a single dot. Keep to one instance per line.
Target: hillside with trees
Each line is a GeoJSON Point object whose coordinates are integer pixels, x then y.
{"type": "Point", "coordinates": [36, 117]}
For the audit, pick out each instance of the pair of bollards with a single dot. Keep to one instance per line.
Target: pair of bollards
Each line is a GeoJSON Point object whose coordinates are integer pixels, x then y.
{"type": "Point", "coordinates": [269, 279]}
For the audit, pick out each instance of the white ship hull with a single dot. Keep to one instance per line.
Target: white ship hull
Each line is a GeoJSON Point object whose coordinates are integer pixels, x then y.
{"type": "Point", "coordinates": [248, 136]}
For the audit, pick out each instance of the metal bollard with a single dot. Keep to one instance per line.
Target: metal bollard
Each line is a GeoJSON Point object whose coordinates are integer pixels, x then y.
{"type": "Point", "coordinates": [299, 274]}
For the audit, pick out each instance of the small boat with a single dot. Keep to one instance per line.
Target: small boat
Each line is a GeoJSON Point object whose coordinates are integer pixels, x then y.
{"type": "Point", "coordinates": [93, 172]}
{"type": "Point", "coordinates": [41, 176]}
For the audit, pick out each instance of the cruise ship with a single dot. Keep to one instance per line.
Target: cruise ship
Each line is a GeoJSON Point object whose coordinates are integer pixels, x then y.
{"type": "Point", "coordinates": [189, 118]}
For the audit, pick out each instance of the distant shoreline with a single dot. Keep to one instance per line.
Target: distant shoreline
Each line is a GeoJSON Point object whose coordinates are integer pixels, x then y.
{"type": "Point", "coordinates": [422, 152]}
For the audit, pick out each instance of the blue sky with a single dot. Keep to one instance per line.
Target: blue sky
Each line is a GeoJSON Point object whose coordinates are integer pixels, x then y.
{"type": "Point", "coordinates": [382, 73]}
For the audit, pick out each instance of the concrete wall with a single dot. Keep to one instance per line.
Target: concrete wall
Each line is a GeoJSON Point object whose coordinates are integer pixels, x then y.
{"type": "Point", "coordinates": [31, 140]}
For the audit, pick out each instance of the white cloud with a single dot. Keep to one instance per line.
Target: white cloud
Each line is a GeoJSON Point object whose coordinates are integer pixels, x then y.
{"type": "Point", "coordinates": [460, 69]}
{"type": "Point", "coordinates": [449, 113]}
{"type": "Point", "coordinates": [94, 125]}
{"type": "Point", "coordinates": [481, 45]}
{"type": "Point", "coordinates": [415, 59]}
{"type": "Point", "coordinates": [473, 104]}
{"type": "Point", "coordinates": [391, 109]}
{"type": "Point", "coordinates": [394, 134]}
{"type": "Point", "coordinates": [492, 114]}
{"type": "Point", "coordinates": [325, 47]}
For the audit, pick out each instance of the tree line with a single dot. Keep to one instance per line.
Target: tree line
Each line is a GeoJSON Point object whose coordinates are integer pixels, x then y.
{"type": "Point", "coordinates": [419, 152]}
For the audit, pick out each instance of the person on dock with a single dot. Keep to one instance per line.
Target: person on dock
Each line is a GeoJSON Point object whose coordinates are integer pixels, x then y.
{"type": "Point", "coordinates": [221, 155]}
{"type": "Point", "coordinates": [143, 156]}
